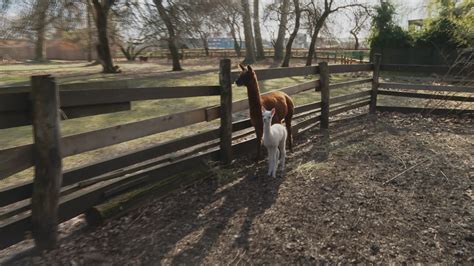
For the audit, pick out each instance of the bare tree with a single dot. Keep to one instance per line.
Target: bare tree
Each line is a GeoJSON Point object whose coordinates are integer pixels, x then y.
{"type": "Point", "coordinates": [102, 10]}
{"type": "Point", "coordinates": [230, 17]}
{"type": "Point", "coordinates": [319, 19]}
{"type": "Point", "coordinates": [198, 19]}
{"type": "Point", "coordinates": [258, 34]}
{"type": "Point", "coordinates": [289, 44]}
{"type": "Point", "coordinates": [167, 15]}
{"type": "Point", "coordinates": [279, 43]}
{"type": "Point", "coordinates": [249, 41]}
{"type": "Point", "coordinates": [36, 18]}
{"type": "Point", "coordinates": [360, 17]}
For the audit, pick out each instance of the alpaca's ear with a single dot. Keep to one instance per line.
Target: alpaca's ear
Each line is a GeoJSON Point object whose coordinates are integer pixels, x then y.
{"type": "Point", "coordinates": [242, 67]}
{"type": "Point", "coordinates": [263, 109]}
{"type": "Point", "coordinates": [249, 67]}
{"type": "Point", "coordinates": [273, 111]}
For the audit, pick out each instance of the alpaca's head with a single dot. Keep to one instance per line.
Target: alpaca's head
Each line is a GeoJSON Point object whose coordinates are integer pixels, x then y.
{"type": "Point", "coordinates": [267, 116]}
{"type": "Point", "coordinates": [246, 76]}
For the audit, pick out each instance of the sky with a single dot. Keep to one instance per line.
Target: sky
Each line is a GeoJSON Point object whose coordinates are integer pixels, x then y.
{"type": "Point", "coordinates": [406, 10]}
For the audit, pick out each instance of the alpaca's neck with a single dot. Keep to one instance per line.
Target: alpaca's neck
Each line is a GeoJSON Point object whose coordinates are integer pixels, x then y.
{"type": "Point", "coordinates": [253, 92]}
{"type": "Point", "coordinates": [267, 130]}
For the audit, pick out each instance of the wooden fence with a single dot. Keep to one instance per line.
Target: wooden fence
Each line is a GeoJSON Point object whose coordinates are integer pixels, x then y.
{"type": "Point", "coordinates": [83, 187]}
{"type": "Point", "coordinates": [342, 56]}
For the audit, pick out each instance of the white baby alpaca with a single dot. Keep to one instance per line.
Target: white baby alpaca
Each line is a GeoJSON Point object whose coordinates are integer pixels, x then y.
{"type": "Point", "coordinates": [274, 139]}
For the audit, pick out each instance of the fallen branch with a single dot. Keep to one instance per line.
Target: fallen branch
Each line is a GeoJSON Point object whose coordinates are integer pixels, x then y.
{"type": "Point", "coordinates": [406, 170]}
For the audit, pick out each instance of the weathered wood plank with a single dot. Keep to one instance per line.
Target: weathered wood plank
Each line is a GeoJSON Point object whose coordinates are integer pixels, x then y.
{"type": "Point", "coordinates": [22, 118]}
{"type": "Point", "coordinates": [11, 194]}
{"type": "Point", "coordinates": [15, 159]}
{"type": "Point", "coordinates": [333, 69]}
{"type": "Point", "coordinates": [101, 96]}
{"type": "Point", "coordinates": [307, 107]}
{"type": "Point", "coordinates": [439, 69]}
{"type": "Point", "coordinates": [14, 119]}
{"type": "Point", "coordinates": [19, 101]}
{"type": "Point", "coordinates": [403, 86]}
{"type": "Point", "coordinates": [348, 107]}
{"type": "Point", "coordinates": [426, 96]}
{"type": "Point", "coordinates": [310, 121]}
{"type": "Point", "coordinates": [48, 162]}
{"type": "Point", "coordinates": [241, 105]}
{"type": "Point", "coordinates": [15, 101]}
{"type": "Point", "coordinates": [92, 140]}
{"type": "Point", "coordinates": [113, 135]}
{"type": "Point", "coordinates": [349, 96]}
{"type": "Point", "coordinates": [348, 83]}
{"type": "Point", "coordinates": [425, 111]}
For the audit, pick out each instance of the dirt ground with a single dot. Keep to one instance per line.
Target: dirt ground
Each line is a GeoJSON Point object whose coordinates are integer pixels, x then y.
{"type": "Point", "coordinates": [336, 207]}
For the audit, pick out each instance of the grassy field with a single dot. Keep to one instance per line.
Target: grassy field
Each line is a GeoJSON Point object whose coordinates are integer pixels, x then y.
{"type": "Point", "coordinates": [157, 73]}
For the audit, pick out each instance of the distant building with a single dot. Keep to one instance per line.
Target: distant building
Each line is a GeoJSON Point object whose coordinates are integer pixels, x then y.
{"type": "Point", "coordinates": [223, 43]}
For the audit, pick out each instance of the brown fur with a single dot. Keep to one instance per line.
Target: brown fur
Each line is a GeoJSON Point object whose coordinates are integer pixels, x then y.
{"type": "Point", "coordinates": [282, 103]}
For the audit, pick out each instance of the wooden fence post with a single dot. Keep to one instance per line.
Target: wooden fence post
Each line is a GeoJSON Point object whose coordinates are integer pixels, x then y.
{"type": "Point", "coordinates": [375, 83]}
{"type": "Point", "coordinates": [226, 111]}
{"type": "Point", "coordinates": [324, 83]}
{"type": "Point", "coordinates": [47, 160]}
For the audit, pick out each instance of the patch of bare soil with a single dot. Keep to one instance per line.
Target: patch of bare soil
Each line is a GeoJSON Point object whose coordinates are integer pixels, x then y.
{"type": "Point", "coordinates": [398, 189]}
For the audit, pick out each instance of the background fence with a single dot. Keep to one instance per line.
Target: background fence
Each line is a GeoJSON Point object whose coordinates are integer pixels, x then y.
{"type": "Point", "coordinates": [84, 187]}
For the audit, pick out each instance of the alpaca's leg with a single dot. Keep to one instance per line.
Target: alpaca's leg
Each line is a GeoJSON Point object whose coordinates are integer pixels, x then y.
{"type": "Point", "coordinates": [282, 156]}
{"type": "Point", "coordinates": [275, 166]}
{"type": "Point", "coordinates": [270, 161]}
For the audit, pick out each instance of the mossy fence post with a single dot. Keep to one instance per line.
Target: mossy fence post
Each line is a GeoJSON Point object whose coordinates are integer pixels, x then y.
{"type": "Point", "coordinates": [47, 161]}
{"type": "Point", "coordinates": [226, 111]}
{"type": "Point", "coordinates": [375, 83]}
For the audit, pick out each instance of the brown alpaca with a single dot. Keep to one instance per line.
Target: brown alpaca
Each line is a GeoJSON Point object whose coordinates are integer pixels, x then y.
{"type": "Point", "coordinates": [276, 99]}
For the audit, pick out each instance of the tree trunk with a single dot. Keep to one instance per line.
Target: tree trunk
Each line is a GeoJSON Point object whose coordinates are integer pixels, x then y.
{"type": "Point", "coordinates": [286, 61]}
{"type": "Point", "coordinates": [39, 46]}
{"type": "Point", "coordinates": [89, 33]}
{"type": "Point", "coordinates": [281, 31]}
{"type": "Point", "coordinates": [312, 45]}
{"type": "Point", "coordinates": [41, 9]}
{"type": "Point", "coordinates": [356, 46]}
{"type": "Point", "coordinates": [103, 48]}
{"type": "Point", "coordinates": [205, 43]}
{"type": "Point", "coordinates": [236, 42]}
{"type": "Point", "coordinates": [249, 42]}
{"type": "Point", "coordinates": [171, 35]}
{"type": "Point", "coordinates": [258, 34]}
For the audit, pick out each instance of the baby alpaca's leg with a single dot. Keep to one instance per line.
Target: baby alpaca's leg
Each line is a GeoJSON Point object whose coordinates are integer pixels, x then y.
{"type": "Point", "coordinates": [282, 148]}
{"type": "Point", "coordinates": [270, 161]}
{"type": "Point", "coordinates": [275, 165]}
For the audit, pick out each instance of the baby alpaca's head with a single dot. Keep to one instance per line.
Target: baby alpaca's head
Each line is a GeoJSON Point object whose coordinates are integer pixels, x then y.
{"type": "Point", "coordinates": [267, 115]}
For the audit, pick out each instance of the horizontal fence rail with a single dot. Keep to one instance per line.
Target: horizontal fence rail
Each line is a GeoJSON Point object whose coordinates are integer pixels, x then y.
{"type": "Point", "coordinates": [20, 158]}
{"type": "Point", "coordinates": [426, 96]}
{"type": "Point", "coordinates": [274, 73]}
{"type": "Point", "coordinates": [437, 69]}
{"type": "Point", "coordinates": [403, 86]}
